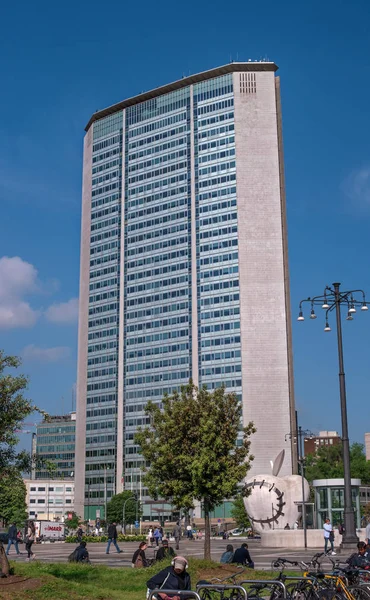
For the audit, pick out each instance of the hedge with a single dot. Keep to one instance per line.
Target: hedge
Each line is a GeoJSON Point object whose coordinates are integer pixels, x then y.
{"type": "Point", "coordinates": [72, 539]}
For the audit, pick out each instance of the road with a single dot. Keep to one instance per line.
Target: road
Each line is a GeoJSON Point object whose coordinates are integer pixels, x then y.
{"type": "Point", "coordinates": [58, 552]}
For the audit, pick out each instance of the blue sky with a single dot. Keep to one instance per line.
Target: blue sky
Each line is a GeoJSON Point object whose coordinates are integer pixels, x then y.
{"type": "Point", "coordinates": [61, 62]}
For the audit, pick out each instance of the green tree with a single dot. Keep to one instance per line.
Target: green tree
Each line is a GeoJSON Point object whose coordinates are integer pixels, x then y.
{"type": "Point", "coordinates": [13, 508]}
{"type": "Point", "coordinates": [192, 452]}
{"type": "Point", "coordinates": [14, 408]}
{"type": "Point", "coordinates": [327, 463]}
{"type": "Point", "coordinates": [239, 513]}
{"type": "Point", "coordinates": [73, 522]}
{"type": "Point", "coordinates": [115, 508]}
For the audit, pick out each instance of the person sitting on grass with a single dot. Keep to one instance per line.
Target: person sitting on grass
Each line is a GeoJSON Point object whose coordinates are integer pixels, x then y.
{"type": "Point", "coordinates": [139, 559]}
{"type": "Point", "coordinates": [165, 551]}
{"type": "Point", "coordinates": [174, 577]}
{"type": "Point", "coordinates": [242, 556]}
{"type": "Point", "coordinates": [80, 554]}
{"type": "Point", "coordinates": [227, 557]}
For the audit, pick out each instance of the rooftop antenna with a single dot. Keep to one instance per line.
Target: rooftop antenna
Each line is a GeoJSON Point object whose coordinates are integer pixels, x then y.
{"type": "Point", "coordinates": [237, 57]}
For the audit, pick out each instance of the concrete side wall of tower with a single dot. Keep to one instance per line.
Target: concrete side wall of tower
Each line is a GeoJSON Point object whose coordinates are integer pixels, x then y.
{"type": "Point", "coordinates": [265, 376]}
{"type": "Point", "coordinates": [83, 327]}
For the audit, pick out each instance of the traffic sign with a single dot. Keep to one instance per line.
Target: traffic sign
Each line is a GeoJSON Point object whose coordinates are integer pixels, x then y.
{"type": "Point", "coordinates": [136, 524]}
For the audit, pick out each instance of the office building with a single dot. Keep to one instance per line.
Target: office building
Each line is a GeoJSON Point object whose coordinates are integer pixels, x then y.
{"type": "Point", "coordinates": [184, 268]}
{"type": "Point", "coordinates": [367, 446]}
{"type": "Point", "coordinates": [325, 438]}
{"type": "Point", "coordinates": [49, 499]}
{"type": "Point", "coordinates": [55, 442]}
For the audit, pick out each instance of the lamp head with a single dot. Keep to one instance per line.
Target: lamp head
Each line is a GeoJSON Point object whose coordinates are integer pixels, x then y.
{"type": "Point", "coordinates": [327, 327]}
{"type": "Point", "coordinates": [300, 316]}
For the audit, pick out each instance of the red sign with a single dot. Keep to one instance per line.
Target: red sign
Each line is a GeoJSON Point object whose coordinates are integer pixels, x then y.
{"type": "Point", "coordinates": [70, 515]}
{"type": "Point", "coordinates": [53, 528]}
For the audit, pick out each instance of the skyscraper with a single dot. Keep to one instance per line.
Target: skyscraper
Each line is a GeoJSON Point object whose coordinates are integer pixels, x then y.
{"type": "Point", "coordinates": [184, 270]}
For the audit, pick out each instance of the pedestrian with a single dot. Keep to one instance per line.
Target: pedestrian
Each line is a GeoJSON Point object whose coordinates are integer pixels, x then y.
{"type": "Point", "coordinates": [165, 551]}
{"type": "Point", "coordinates": [242, 556]}
{"type": "Point", "coordinates": [287, 526]}
{"type": "Point", "coordinates": [12, 538]}
{"type": "Point", "coordinates": [79, 534]}
{"type": "Point", "coordinates": [149, 537]}
{"type": "Point", "coordinates": [112, 537]}
{"type": "Point", "coordinates": [228, 555]}
{"type": "Point", "coordinates": [174, 577]}
{"type": "Point", "coordinates": [177, 534]}
{"type": "Point", "coordinates": [328, 536]}
{"type": "Point", "coordinates": [139, 559]}
{"type": "Point", "coordinates": [157, 536]}
{"type": "Point", "coordinates": [30, 538]}
{"type": "Point", "coordinates": [189, 532]}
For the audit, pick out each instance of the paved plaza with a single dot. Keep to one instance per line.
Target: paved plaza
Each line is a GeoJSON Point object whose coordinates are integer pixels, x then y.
{"type": "Point", "coordinates": [58, 552]}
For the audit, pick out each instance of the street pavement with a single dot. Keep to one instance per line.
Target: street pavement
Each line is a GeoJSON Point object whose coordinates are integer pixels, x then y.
{"type": "Point", "coordinates": [59, 552]}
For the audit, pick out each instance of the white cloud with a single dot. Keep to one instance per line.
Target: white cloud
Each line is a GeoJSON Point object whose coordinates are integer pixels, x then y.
{"type": "Point", "coordinates": [55, 354]}
{"type": "Point", "coordinates": [17, 278]}
{"type": "Point", "coordinates": [65, 312]}
{"type": "Point", "coordinates": [357, 188]}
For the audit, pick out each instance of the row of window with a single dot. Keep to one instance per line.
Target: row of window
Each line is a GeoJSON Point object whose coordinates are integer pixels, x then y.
{"type": "Point", "coordinates": [101, 372]}
{"type": "Point", "coordinates": [157, 208]}
{"type": "Point", "coordinates": [219, 285]}
{"type": "Point", "coordinates": [104, 247]}
{"type": "Point", "coordinates": [160, 196]}
{"type": "Point", "coordinates": [135, 132]}
{"type": "Point", "coordinates": [157, 173]}
{"type": "Point", "coordinates": [106, 188]}
{"type": "Point", "coordinates": [157, 161]}
{"type": "Point", "coordinates": [102, 347]}
{"type": "Point", "coordinates": [171, 268]}
{"type": "Point", "coordinates": [157, 284]}
{"type": "Point", "coordinates": [157, 310]}
{"type": "Point", "coordinates": [55, 439]}
{"type": "Point", "coordinates": [222, 356]}
{"type": "Point", "coordinates": [100, 425]}
{"type": "Point", "coordinates": [222, 370]}
{"type": "Point", "coordinates": [51, 489]}
{"type": "Point", "coordinates": [217, 168]}
{"type": "Point", "coordinates": [105, 358]}
{"type": "Point", "coordinates": [163, 135]}
{"type": "Point", "coordinates": [217, 314]}
{"type": "Point", "coordinates": [102, 284]}
{"type": "Point", "coordinates": [51, 501]}
{"type": "Point", "coordinates": [101, 412]}
{"type": "Point", "coordinates": [171, 362]}
{"type": "Point", "coordinates": [100, 452]}
{"type": "Point", "coordinates": [107, 165]}
{"type": "Point", "coordinates": [203, 235]}
{"type": "Point", "coordinates": [156, 324]}
{"type": "Point", "coordinates": [116, 139]}
{"type": "Point", "coordinates": [107, 200]}
{"type": "Point", "coordinates": [208, 133]}
{"type": "Point", "coordinates": [97, 214]}
{"type": "Point", "coordinates": [104, 272]}
{"type": "Point", "coordinates": [103, 321]}
{"type": "Point", "coordinates": [105, 155]}
{"type": "Point", "coordinates": [104, 333]}
{"type": "Point", "coordinates": [104, 236]}
{"type": "Point", "coordinates": [104, 296]}
{"type": "Point", "coordinates": [157, 258]}
{"type": "Point", "coordinates": [149, 235]}
{"type": "Point", "coordinates": [220, 327]}
{"type": "Point", "coordinates": [215, 119]}
{"type": "Point", "coordinates": [206, 343]}
{"type": "Point", "coordinates": [101, 385]}
{"type": "Point", "coordinates": [152, 351]}
{"type": "Point", "coordinates": [216, 258]}
{"type": "Point", "coordinates": [159, 183]}
{"type": "Point", "coordinates": [202, 110]}
{"type": "Point", "coordinates": [157, 297]}
{"type": "Point", "coordinates": [219, 299]}
{"type": "Point", "coordinates": [167, 243]}
{"type": "Point", "coordinates": [103, 224]}
{"type": "Point", "coordinates": [219, 272]}
{"type": "Point", "coordinates": [227, 191]}
{"type": "Point", "coordinates": [216, 156]}
{"type": "Point", "coordinates": [224, 141]}
{"type": "Point", "coordinates": [158, 221]}
{"type": "Point", "coordinates": [157, 337]}
{"type": "Point", "coordinates": [158, 149]}
{"type": "Point", "coordinates": [101, 398]}
{"type": "Point", "coordinates": [103, 308]}
{"type": "Point", "coordinates": [100, 439]}
{"type": "Point", "coordinates": [171, 376]}
{"type": "Point", "coordinates": [216, 181]}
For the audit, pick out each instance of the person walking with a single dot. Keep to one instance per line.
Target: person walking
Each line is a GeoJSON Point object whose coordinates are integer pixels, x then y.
{"type": "Point", "coordinates": [12, 538]}
{"type": "Point", "coordinates": [367, 534]}
{"type": "Point", "coordinates": [177, 534]}
{"type": "Point", "coordinates": [149, 537]}
{"type": "Point", "coordinates": [157, 536]}
{"type": "Point", "coordinates": [112, 537]}
{"type": "Point", "coordinates": [30, 538]}
{"type": "Point", "coordinates": [328, 536]}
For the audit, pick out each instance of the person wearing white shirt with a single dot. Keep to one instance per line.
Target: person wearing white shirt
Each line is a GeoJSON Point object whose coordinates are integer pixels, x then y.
{"type": "Point", "coordinates": [367, 534]}
{"type": "Point", "coordinates": [328, 536]}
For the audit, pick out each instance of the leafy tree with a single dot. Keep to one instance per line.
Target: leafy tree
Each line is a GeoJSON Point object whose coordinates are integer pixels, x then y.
{"type": "Point", "coordinates": [13, 508]}
{"type": "Point", "coordinates": [115, 508]}
{"type": "Point", "coordinates": [327, 463]}
{"type": "Point", "coordinates": [239, 513]}
{"type": "Point", "coordinates": [14, 408]}
{"type": "Point", "coordinates": [73, 522]}
{"type": "Point", "coordinates": [192, 452]}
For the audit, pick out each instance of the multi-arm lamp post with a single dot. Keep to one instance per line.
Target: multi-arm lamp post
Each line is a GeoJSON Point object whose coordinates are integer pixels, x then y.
{"type": "Point", "coordinates": [331, 300]}
{"type": "Point", "coordinates": [301, 434]}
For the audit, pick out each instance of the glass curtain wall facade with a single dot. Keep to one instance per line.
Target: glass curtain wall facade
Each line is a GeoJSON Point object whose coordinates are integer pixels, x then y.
{"type": "Point", "coordinates": [164, 298]}
{"type": "Point", "coordinates": [55, 442]}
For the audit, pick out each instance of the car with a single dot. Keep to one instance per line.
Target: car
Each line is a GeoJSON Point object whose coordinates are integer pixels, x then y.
{"type": "Point", "coordinates": [236, 531]}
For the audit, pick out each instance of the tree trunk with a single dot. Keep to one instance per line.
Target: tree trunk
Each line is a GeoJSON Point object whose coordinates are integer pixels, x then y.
{"type": "Point", "coordinates": [4, 563]}
{"type": "Point", "coordinates": [207, 532]}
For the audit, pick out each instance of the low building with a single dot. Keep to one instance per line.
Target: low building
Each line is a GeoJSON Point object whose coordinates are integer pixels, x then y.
{"type": "Point", "coordinates": [55, 442]}
{"type": "Point", "coordinates": [49, 499]}
{"type": "Point", "coordinates": [324, 438]}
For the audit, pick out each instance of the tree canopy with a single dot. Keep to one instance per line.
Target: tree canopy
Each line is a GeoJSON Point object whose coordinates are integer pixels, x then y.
{"type": "Point", "coordinates": [196, 449]}
{"type": "Point", "coordinates": [115, 508]}
{"type": "Point", "coordinates": [327, 463]}
{"type": "Point", "coordinates": [13, 499]}
{"type": "Point", "coordinates": [239, 513]}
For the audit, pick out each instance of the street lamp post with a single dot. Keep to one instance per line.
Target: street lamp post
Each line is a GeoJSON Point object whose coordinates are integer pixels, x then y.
{"type": "Point", "coordinates": [134, 499]}
{"type": "Point", "coordinates": [302, 433]}
{"type": "Point", "coordinates": [331, 300]}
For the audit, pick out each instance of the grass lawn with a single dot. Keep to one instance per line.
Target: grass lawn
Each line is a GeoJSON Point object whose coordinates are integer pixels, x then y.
{"type": "Point", "coordinates": [65, 581]}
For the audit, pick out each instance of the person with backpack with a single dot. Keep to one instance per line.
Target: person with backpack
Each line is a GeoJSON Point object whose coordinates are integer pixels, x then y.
{"type": "Point", "coordinates": [175, 577]}
{"type": "Point", "coordinates": [139, 559]}
{"type": "Point", "coordinates": [157, 536]}
{"type": "Point", "coordinates": [80, 554]}
{"type": "Point", "coordinates": [112, 537]}
{"type": "Point", "coordinates": [30, 538]}
{"type": "Point", "coordinates": [165, 552]}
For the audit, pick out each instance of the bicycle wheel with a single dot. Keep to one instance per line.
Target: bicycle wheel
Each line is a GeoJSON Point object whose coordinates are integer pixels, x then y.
{"type": "Point", "coordinates": [359, 592]}
{"type": "Point", "coordinates": [298, 591]}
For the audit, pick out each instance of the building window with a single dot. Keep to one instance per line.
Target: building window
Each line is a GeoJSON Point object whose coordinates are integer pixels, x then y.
{"type": "Point", "coordinates": [51, 489]}
{"type": "Point", "coordinates": [32, 501]}
{"type": "Point", "coordinates": [59, 501]}
{"type": "Point", "coordinates": [59, 489]}
{"type": "Point", "coordinates": [41, 489]}
{"type": "Point", "coordinates": [68, 501]}
{"type": "Point", "coordinates": [68, 489]}
{"type": "Point", "coordinates": [32, 489]}
{"type": "Point", "coordinates": [41, 501]}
